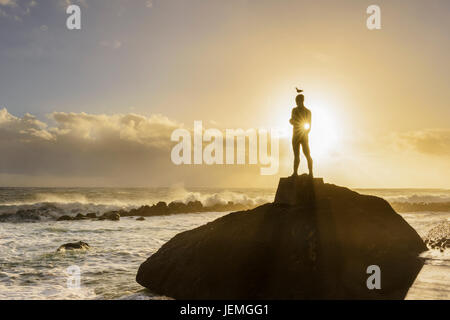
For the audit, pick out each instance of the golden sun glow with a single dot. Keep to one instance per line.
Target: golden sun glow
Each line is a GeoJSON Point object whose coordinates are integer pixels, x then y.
{"type": "Point", "coordinates": [325, 133]}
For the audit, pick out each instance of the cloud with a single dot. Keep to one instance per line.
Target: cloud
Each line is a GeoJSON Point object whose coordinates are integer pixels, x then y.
{"type": "Point", "coordinates": [23, 129]}
{"type": "Point", "coordinates": [431, 141]}
{"type": "Point", "coordinates": [10, 3]}
{"type": "Point", "coordinates": [102, 150]}
{"type": "Point", "coordinates": [121, 146]}
{"type": "Point", "coordinates": [15, 9]}
{"type": "Point", "coordinates": [153, 131]}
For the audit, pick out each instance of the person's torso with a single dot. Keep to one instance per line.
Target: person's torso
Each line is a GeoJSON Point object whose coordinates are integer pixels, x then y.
{"type": "Point", "coordinates": [301, 115]}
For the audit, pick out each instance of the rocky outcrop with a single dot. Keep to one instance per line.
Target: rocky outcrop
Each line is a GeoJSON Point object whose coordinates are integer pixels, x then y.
{"type": "Point", "coordinates": [315, 241]}
{"type": "Point", "coordinates": [112, 215]}
{"type": "Point", "coordinates": [439, 236]}
{"type": "Point", "coordinates": [80, 245]}
{"type": "Point", "coordinates": [176, 207]}
{"type": "Point", "coordinates": [65, 218]}
{"type": "Point", "coordinates": [80, 216]}
{"type": "Point", "coordinates": [43, 212]}
{"type": "Point", "coordinates": [91, 215]}
{"type": "Point", "coordinates": [50, 212]}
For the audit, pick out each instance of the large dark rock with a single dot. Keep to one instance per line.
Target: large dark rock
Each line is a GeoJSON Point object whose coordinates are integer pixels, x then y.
{"type": "Point", "coordinates": [315, 241]}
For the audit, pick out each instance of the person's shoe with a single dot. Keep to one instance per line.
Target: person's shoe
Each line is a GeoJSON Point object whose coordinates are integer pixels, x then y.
{"type": "Point", "coordinates": [295, 174]}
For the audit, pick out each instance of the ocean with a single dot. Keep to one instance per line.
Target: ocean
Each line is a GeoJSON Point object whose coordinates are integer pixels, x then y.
{"type": "Point", "coordinates": [31, 267]}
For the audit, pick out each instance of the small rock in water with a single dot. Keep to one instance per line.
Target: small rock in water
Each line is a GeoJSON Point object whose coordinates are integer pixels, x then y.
{"type": "Point", "coordinates": [140, 219]}
{"type": "Point", "coordinates": [91, 215]}
{"type": "Point", "coordinates": [80, 217]}
{"type": "Point", "coordinates": [80, 245]}
{"type": "Point", "coordinates": [65, 218]}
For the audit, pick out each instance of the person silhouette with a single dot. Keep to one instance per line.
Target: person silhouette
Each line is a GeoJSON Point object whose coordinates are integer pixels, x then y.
{"type": "Point", "coordinates": [301, 122]}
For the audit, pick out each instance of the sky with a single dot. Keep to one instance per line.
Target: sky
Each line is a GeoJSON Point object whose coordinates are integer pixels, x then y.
{"type": "Point", "coordinates": [97, 106]}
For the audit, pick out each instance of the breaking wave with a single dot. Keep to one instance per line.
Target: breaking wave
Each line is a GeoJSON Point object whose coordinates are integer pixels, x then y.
{"type": "Point", "coordinates": [421, 206]}
{"type": "Point", "coordinates": [415, 200]}
{"type": "Point", "coordinates": [419, 198]}
{"type": "Point", "coordinates": [47, 206]}
{"type": "Point", "coordinates": [44, 204]}
{"type": "Point", "coordinates": [221, 198]}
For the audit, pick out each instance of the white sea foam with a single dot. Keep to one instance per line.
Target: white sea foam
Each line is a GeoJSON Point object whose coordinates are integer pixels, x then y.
{"type": "Point", "coordinates": [420, 198]}
{"type": "Point", "coordinates": [44, 206]}
{"type": "Point", "coordinates": [209, 199]}
{"type": "Point", "coordinates": [32, 269]}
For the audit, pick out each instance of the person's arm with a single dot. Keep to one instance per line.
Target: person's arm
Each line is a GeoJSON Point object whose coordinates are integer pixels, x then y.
{"type": "Point", "coordinates": [309, 121]}
{"type": "Point", "coordinates": [291, 121]}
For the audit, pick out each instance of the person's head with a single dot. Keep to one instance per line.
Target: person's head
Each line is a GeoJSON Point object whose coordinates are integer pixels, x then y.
{"type": "Point", "coordinates": [300, 99]}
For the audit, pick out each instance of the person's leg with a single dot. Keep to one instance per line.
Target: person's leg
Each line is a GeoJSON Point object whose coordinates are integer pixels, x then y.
{"type": "Point", "coordinates": [296, 148]}
{"type": "Point", "coordinates": [307, 153]}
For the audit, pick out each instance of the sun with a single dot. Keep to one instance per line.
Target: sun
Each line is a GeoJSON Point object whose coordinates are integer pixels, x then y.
{"type": "Point", "coordinates": [325, 130]}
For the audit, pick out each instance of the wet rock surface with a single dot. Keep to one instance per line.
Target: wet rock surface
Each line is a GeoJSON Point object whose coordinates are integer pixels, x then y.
{"type": "Point", "coordinates": [439, 237]}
